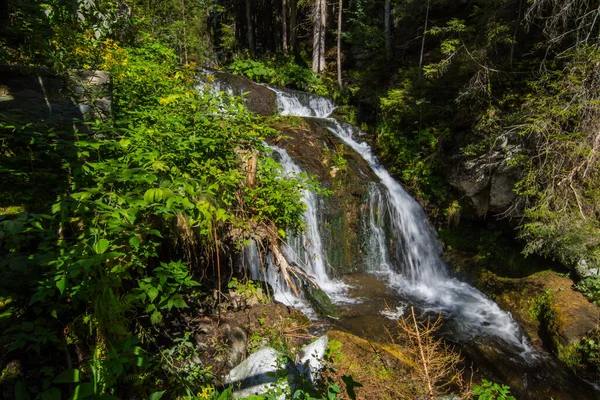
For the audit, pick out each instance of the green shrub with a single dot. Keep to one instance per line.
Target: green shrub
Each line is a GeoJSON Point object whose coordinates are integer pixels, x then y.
{"type": "Point", "coordinates": [105, 250]}
{"type": "Point", "coordinates": [491, 391]}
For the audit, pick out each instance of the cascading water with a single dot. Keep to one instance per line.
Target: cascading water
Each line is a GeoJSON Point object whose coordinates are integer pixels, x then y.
{"type": "Point", "coordinates": [401, 245]}
{"type": "Point", "coordinates": [302, 104]}
{"type": "Point", "coordinates": [305, 250]}
{"type": "Point", "coordinates": [416, 251]}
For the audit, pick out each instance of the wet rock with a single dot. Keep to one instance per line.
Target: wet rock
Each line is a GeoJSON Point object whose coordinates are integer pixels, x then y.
{"type": "Point", "coordinates": [259, 99]}
{"type": "Point", "coordinates": [310, 358]}
{"type": "Point", "coordinates": [237, 340]}
{"type": "Point", "coordinates": [320, 302]}
{"type": "Point", "coordinates": [546, 305]}
{"type": "Point", "coordinates": [259, 373]}
{"type": "Point", "coordinates": [342, 213]}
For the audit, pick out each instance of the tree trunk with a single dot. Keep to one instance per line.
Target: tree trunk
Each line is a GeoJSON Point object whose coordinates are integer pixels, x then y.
{"type": "Point", "coordinates": [284, 28]}
{"type": "Point", "coordinates": [4, 14]}
{"type": "Point", "coordinates": [269, 34]}
{"type": "Point", "coordinates": [339, 44]}
{"type": "Point", "coordinates": [512, 46]}
{"type": "Point", "coordinates": [293, 26]}
{"type": "Point", "coordinates": [424, 33]}
{"type": "Point", "coordinates": [185, 49]}
{"type": "Point", "coordinates": [388, 30]}
{"type": "Point", "coordinates": [250, 27]}
{"type": "Point", "coordinates": [319, 28]}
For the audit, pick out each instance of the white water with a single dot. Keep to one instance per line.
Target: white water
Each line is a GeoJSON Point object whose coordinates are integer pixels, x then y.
{"type": "Point", "coordinates": [417, 270]}
{"type": "Point", "coordinates": [264, 270]}
{"type": "Point", "coordinates": [302, 104]}
{"type": "Point", "coordinates": [306, 251]}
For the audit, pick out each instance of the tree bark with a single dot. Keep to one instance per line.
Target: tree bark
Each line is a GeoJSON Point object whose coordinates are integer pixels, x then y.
{"type": "Point", "coordinates": [250, 27]}
{"type": "Point", "coordinates": [512, 46]}
{"type": "Point", "coordinates": [4, 13]}
{"type": "Point", "coordinates": [319, 28]}
{"type": "Point", "coordinates": [424, 33]}
{"type": "Point", "coordinates": [269, 34]}
{"type": "Point", "coordinates": [284, 28]}
{"type": "Point", "coordinates": [339, 44]}
{"type": "Point", "coordinates": [185, 49]}
{"type": "Point", "coordinates": [388, 30]}
{"type": "Point", "coordinates": [293, 26]}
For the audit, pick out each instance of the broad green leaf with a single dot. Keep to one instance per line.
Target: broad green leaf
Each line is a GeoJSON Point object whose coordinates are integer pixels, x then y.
{"type": "Point", "coordinates": [134, 242]}
{"type": "Point", "coordinates": [83, 390]}
{"type": "Point", "coordinates": [61, 283]}
{"type": "Point", "coordinates": [21, 392]}
{"type": "Point", "coordinates": [178, 302]}
{"type": "Point", "coordinates": [51, 394]}
{"type": "Point", "coordinates": [101, 246]}
{"type": "Point", "coordinates": [152, 293]}
{"type": "Point", "coordinates": [156, 395]}
{"type": "Point", "coordinates": [68, 376]}
{"type": "Point", "coordinates": [156, 317]}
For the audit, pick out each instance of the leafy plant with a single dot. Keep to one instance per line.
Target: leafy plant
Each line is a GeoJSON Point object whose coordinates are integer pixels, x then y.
{"type": "Point", "coordinates": [491, 391]}
{"type": "Point", "coordinates": [251, 69]}
{"type": "Point", "coordinates": [115, 221]}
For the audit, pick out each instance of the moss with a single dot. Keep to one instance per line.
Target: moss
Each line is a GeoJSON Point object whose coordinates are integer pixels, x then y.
{"type": "Point", "coordinates": [346, 114]}
{"type": "Point", "coordinates": [570, 355]}
{"type": "Point", "coordinates": [320, 301]}
{"type": "Point", "coordinates": [372, 370]}
{"type": "Point", "coordinates": [11, 373]}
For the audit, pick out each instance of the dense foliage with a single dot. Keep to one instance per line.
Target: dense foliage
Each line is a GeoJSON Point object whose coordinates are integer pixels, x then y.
{"type": "Point", "coordinates": [111, 229]}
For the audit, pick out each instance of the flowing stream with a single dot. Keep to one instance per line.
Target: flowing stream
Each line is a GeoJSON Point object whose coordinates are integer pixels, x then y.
{"type": "Point", "coordinates": [403, 250]}
{"type": "Point", "coordinates": [414, 265]}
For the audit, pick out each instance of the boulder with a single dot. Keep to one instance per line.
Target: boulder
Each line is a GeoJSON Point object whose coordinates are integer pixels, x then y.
{"type": "Point", "coordinates": [488, 181]}
{"type": "Point", "coordinates": [37, 93]}
{"type": "Point", "coordinates": [259, 99]}
{"type": "Point", "coordinates": [320, 301]}
{"type": "Point", "coordinates": [584, 270]}
{"type": "Point", "coordinates": [260, 372]}
{"type": "Point", "coordinates": [310, 358]}
{"type": "Point", "coordinates": [237, 340]}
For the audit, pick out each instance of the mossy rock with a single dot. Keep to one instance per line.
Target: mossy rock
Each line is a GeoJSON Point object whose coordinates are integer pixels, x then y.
{"type": "Point", "coordinates": [553, 314]}
{"type": "Point", "coordinates": [259, 99]}
{"type": "Point", "coordinates": [320, 302]}
{"type": "Point", "coordinates": [316, 150]}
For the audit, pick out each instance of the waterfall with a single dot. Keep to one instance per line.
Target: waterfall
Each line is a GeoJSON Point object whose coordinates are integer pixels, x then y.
{"type": "Point", "coordinates": [302, 104]}
{"type": "Point", "coordinates": [413, 263]}
{"type": "Point", "coordinates": [305, 250]}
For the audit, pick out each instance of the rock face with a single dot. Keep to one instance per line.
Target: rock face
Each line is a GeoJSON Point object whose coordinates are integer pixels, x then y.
{"type": "Point", "coordinates": [346, 174]}
{"type": "Point", "coordinates": [583, 269]}
{"type": "Point", "coordinates": [552, 313]}
{"type": "Point", "coordinates": [35, 93]}
{"type": "Point", "coordinates": [488, 181]}
{"type": "Point", "coordinates": [269, 369]}
{"type": "Point", "coordinates": [259, 99]}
